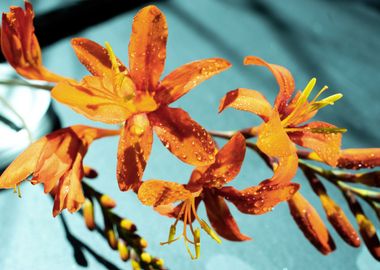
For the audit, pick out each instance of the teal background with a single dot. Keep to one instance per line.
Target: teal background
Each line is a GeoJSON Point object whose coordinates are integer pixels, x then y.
{"type": "Point", "coordinates": [338, 42]}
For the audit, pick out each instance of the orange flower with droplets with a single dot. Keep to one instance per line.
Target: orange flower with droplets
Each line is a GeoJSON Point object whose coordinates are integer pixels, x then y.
{"type": "Point", "coordinates": [136, 97]}
{"type": "Point", "coordinates": [20, 46]}
{"type": "Point", "coordinates": [207, 184]}
{"type": "Point", "coordinates": [283, 121]}
{"type": "Point", "coordinates": [56, 160]}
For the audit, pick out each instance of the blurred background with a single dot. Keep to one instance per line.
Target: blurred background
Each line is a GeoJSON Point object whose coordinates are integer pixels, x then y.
{"type": "Point", "coordinates": [336, 41]}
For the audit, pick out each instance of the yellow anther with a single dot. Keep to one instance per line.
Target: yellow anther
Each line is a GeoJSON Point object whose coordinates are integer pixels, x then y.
{"type": "Point", "coordinates": [197, 242]}
{"type": "Point", "coordinates": [328, 130]}
{"type": "Point", "coordinates": [172, 233]}
{"type": "Point", "coordinates": [210, 231]}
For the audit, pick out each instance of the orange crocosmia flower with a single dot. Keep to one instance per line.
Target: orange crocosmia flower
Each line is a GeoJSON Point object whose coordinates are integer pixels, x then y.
{"type": "Point", "coordinates": [136, 97]}
{"type": "Point", "coordinates": [56, 160]}
{"type": "Point", "coordinates": [207, 184]}
{"type": "Point", "coordinates": [283, 122]}
{"type": "Point", "coordinates": [20, 45]}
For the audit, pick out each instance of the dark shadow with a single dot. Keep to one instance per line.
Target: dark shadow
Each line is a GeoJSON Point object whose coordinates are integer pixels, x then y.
{"type": "Point", "coordinates": [79, 246]}
{"type": "Point", "coordinates": [68, 20]}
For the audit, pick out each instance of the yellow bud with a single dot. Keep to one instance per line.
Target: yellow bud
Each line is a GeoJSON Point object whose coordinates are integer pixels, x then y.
{"type": "Point", "coordinates": [111, 238]}
{"type": "Point", "coordinates": [123, 250]}
{"type": "Point", "coordinates": [159, 262]}
{"type": "Point", "coordinates": [107, 202]}
{"type": "Point", "coordinates": [145, 257]}
{"type": "Point", "coordinates": [128, 225]}
{"type": "Point", "coordinates": [88, 214]}
{"type": "Point", "coordinates": [135, 265]}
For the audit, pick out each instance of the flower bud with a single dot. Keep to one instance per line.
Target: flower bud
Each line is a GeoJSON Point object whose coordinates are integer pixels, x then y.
{"type": "Point", "coordinates": [111, 238]}
{"type": "Point", "coordinates": [145, 257]}
{"type": "Point", "coordinates": [88, 214]}
{"type": "Point", "coordinates": [123, 250]}
{"type": "Point", "coordinates": [107, 202]}
{"type": "Point", "coordinates": [128, 225]}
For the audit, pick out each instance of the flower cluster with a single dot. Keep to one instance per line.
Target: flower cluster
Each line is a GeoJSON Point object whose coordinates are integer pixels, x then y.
{"type": "Point", "coordinates": [138, 100]}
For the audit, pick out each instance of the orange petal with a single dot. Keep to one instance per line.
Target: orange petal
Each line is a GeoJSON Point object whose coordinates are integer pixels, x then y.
{"type": "Point", "coordinates": [259, 199]}
{"type": "Point", "coordinates": [94, 57]}
{"type": "Point", "coordinates": [227, 164]}
{"type": "Point", "coordinates": [247, 100]}
{"type": "Point", "coordinates": [158, 192]}
{"type": "Point", "coordinates": [273, 140]}
{"type": "Point", "coordinates": [184, 137]}
{"type": "Point", "coordinates": [147, 48]}
{"type": "Point", "coordinates": [23, 165]}
{"type": "Point", "coordinates": [221, 219]}
{"type": "Point", "coordinates": [91, 99]}
{"type": "Point", "coordinates": [69, 193]}
{"type": "Point", "coordinates": [286, 169]}
{"type": "Point", "coordinates": [134, 148]}
{"type": "Point", "coordinates": [188, 76]}
{"type": "Point", "coordinates": [311, 224]}
{"type": "Point", "coordinates": [283, 77]}
{"type": "Point", "coordinates": [20, 46]}
{"type": "Point", "coordinates": [359, 158]}
{"type": "Point", "coordinates": [326, 145]}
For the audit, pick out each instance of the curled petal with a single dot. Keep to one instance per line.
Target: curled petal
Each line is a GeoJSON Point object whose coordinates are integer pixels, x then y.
{"type": "Point", "coordinates": [93, 100]}
{"type": "Point", "coordinates": [286, 169]}
{"type": "Point", "coordinates": [158, 192]}
{"type": "Point", "coordinates": [311, 224]}
{"type": "Point", "coordinates": [273, 140]}
{"type": "Point", "coordinates": [69, 193]}
{"type": "Point", "coordinates": [184, 137]}
{"type": "Point", "coordinates": [325, 144]}
{"type": "Point", "coordinates": [147, 48]}
{"type": "Point", "coordinates": [94, 57]}
{"type": "Point", "coordinates": [283, 77]}
{"type": "Point", "coordinates": [23, 165]}
{"type": "Point", "coordinates": [20, 46]}
{"type": "Point", "coordinates": [359, 158]}
{"type": "Point", "coordinates": [133, 152]}
{"type": "Point", "coordinates": [227, 164]}
{"type": "Point", "coordinates": [221, 219]}
{"type": "Point", "coordinates": [259, 199]}
{"type": "Point", "coordinates": [188, 76]}
{"type": "Point", "coordinates": [247, 100]}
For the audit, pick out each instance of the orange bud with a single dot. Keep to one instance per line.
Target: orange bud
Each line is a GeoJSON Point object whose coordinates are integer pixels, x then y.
{"type": "Point", "coordinates": [340, 221]}
{"type": "Point", "coordinates": [88, 214]}
{"type": "Point", "coordinates": [111, 238]}
{"type": "Point", "coordinates": [311, 224]}
{"type": "Point", "coordinates": [123, 250]}
{"type": "Point", "coordinates": [143, 243]}
{"type": "Point", "coordinates": [90, 172]}
{"type": "Point", "coordinates": [359, 158]}
{"type": "Point", "coordinates": [107, 202]}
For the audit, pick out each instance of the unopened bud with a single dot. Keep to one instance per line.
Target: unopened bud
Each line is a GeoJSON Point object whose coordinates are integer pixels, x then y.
{"type": "Point", "coordinates": [111, 238]}
{"type": "Point", "coordinates": [135, 265]}
{"type": "Point", "coordinates": [143, 243]}
{"type": "Point", "coordinates": [88, 214]}
{"type": "Point", "coordinates": [159, 262]}
{"type": "Point", "coordinates": [145, 257]}
{"type": "Point", "coordinates": [89, 172]}
{"type": "Point", "coordinates": [107, 202]}
{"type": "Point", "coordinates": [128, 225]}
{"type": "Point", "coordinates": [123, 250]}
